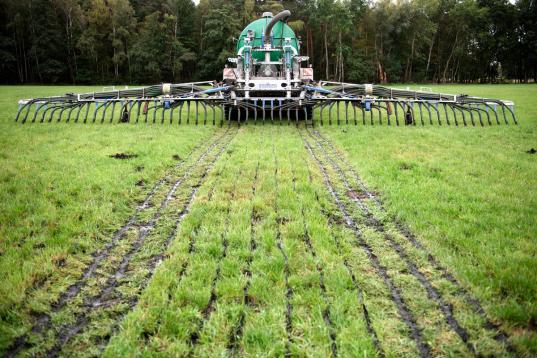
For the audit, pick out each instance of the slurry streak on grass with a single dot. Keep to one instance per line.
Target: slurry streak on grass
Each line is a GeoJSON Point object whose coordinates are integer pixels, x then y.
{"type": "Point", "coordinates": [185, 240]}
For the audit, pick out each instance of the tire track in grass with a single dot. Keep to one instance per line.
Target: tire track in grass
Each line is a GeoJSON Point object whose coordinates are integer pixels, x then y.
{"type": "Point", "coordinates": [235, 335]}
{"type": "Point", "coordinates": [66, 332]}
{"type": "Point", "coordinates": [112, 282]}
{"type": "Point", "coordinates": [42, 321]}
{"type": "Point", "coordinates": [210, 307]}
{"type": "Point", "coordinates": [311, 250]}
{"type": "Point", "coordinates": [157, 258]}
{"type": "Point", "coordinates": [376, 225]}
{"type": "Point", "coordinates": [404, 312]}
{"type": "Point", "coordinates": [190, 251]}
{"type": "Point", "coordinates": [500, 335]}
{"type": "Point", "coordinates": [279, 244]}
{"type": "Point", "coordinates": [348, 267]}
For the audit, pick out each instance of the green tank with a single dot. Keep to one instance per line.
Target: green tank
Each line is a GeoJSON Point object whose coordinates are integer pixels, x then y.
{"type": "Point", "coordinates": [280, 31]}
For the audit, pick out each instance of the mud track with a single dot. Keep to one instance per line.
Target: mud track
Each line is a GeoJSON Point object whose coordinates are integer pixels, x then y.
{"type": "Point", "coordinates": [405, 313]}
{"type": "Point", "coordinates": [210, 306]}
{"type": "Point", "coordinates": [347, 173]}
{"type": "Point", "coordinates": [190, 251]}
{"type": "Point", "coordinates": [340, 179]}
{"type": "Point", "coordinates": [235, 335]}
{"type": "Point", "coordinates": [287, 273]}
{"type": "Point", "coordinates": [42, 320]}
{"type": "Point", "coordinates": [359, 290]}
{"type": "Point", "coordinates": [405, 296]}
{"type": "Point", "coordinates": [320, 271]}
{"type": "Point", "coordinates": [97, 289]}
{"type": "Point", "coordinates": [372, 222]}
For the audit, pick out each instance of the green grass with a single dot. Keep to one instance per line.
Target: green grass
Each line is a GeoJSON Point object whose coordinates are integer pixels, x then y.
{"type": "Point", "coordinates": [62, 196]}
{"type": "Point", "coordinates": [468, 193]}
{"type": "Point", "coordinates": [264, 243]}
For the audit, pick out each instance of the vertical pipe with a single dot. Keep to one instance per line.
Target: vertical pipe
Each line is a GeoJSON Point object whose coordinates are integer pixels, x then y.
{"type": "Point", "coordinates": [188, 112]}
{"type": "Point", "coordinates": [280, 111]}
{"type": "Point", "coordinates": [272, 110]}
{"type": "Point", "coordinates": [181, 110]}
{"type": "Point", "coordinates": [421, 113]}
{"type": "Point", "coordinates": [380, 115]}
{"type": "Point", "coordinates": [69, 113]}
{"type": "Point", "coordinates": [255, 112]}
{"type": "Point", "coordinates": [288, 115]}
{"type": "Point", "coordinates": [263, 108]}
{"type": "Point", "coordinates": [105, 107]}
{"type": "Point", "coordinates": [80, 106]}
{"type": "Point", "coordinates": [114, 110]}
{"type": "Point", "coordinates": [337, 108]}
{"type": "Point", "coordinates": [155, 110]}
{"type": "Point", "coordinates": [87, 112]}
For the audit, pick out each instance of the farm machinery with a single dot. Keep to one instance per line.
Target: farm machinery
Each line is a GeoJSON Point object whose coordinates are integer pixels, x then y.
{"type": "Point", "coordinates": [268, 81]}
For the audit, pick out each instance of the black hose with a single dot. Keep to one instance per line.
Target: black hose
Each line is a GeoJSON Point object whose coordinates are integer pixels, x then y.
{"type": "Point", "coordinates": [280, 16]}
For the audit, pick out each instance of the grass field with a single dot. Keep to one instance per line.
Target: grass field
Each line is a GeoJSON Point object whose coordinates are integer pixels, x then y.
{"type": "Point", "coordinates": [268, 240]}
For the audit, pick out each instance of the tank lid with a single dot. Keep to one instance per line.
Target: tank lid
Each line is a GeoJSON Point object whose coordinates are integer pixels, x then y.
{"type": "Point", "coordinates": [267, 14]}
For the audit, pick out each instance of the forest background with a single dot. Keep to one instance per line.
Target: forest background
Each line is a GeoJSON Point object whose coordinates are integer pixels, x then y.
{"type": "Point", "coordinates": [150, 41]}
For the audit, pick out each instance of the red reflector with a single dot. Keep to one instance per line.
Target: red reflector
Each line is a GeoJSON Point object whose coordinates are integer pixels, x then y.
{"type": "Point", "coordinates": [307, 73]}
{"type": "Point", "coordinates": [228, 73]}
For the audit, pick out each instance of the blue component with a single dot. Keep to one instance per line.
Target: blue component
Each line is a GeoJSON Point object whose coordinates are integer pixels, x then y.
{"type": "Point", "coordinates": [318, 89]}
{"type": "Point", "coordinates": [246, 57]}
{"type": "Point", "coordinates": [167, 104]}
{"type": "Point", "coordinates": [214, 90]}
{"type": "Point", "coordinates": [367, 105]}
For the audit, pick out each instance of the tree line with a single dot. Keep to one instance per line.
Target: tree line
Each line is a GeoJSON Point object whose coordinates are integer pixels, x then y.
{"type": "Point", "coordinates": [150, 41]}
